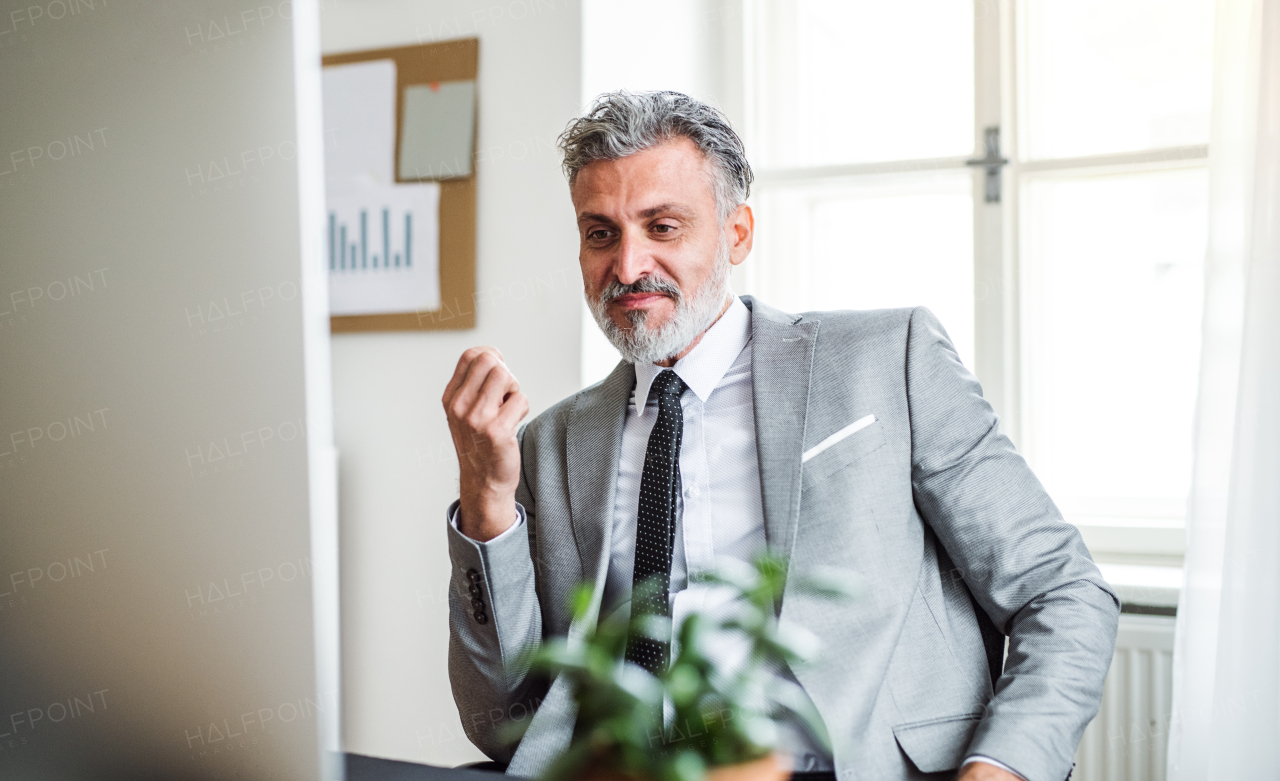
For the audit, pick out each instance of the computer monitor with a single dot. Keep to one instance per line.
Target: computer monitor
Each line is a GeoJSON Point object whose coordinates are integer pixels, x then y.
{"type": "Point", "coordinates": [168, 553]}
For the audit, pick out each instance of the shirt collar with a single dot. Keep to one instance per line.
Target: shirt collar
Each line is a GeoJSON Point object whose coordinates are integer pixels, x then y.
{"type": "Point", "coordinates": [705, 365]}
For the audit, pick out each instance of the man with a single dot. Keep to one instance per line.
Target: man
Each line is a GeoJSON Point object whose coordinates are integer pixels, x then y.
{"type": "Point", "coordinates": [847, 439]}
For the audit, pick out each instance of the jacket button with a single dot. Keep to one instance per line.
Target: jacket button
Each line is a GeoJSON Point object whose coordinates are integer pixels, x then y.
{"type": "Point", "coordinates": [480, 617]}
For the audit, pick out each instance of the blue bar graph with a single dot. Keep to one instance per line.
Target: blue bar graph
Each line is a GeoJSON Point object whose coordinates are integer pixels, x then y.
{"type": "Point", "coordinates": [342, 249]}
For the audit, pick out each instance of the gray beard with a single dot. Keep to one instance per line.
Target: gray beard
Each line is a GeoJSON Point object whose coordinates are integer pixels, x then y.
{"type": "Point", "coordinates": [694, 314]}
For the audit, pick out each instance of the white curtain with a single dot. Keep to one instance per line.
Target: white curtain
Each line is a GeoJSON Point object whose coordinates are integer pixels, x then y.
{"type": "Point", "coordinates": [1225, 721]}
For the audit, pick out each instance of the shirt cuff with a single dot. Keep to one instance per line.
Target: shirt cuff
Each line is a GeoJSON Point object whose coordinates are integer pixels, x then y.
{"type": "Point", "coordinates": [979, 758]}
{"type": "Point", "coordinates": [453, 521]}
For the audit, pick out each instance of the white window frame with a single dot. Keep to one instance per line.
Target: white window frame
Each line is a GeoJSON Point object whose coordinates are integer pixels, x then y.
{"type": "Point", "coordinates": [999, 263]}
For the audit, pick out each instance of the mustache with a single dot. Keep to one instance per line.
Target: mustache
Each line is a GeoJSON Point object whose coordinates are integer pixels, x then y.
{"type": "Point", "coordinates": [615, 289]}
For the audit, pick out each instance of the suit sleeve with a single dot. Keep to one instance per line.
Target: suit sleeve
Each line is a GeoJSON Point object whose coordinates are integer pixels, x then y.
{"type": "Point", "coordinates": [494, 620]}
{"type": "Point", "coordinates": [1026, 566]}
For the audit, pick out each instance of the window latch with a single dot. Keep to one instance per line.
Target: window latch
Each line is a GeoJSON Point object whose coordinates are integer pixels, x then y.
{"type": "Point", "coordinates": [993, 162]}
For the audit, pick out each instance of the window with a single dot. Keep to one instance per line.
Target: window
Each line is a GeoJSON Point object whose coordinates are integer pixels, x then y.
{"type": "Point", "coordinates": [1076, 295]}
{"type": "Point", "coordinates": [863, 198]}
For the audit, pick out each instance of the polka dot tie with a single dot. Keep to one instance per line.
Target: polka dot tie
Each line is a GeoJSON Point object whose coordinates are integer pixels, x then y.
{"type": "Point", "coordinates": [656, 522]}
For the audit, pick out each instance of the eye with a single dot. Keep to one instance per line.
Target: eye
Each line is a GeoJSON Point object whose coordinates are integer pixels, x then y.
{"type": "Point", "coordinates": [600, 234]}
{"type": "Point", "coordinates": [662, 228]}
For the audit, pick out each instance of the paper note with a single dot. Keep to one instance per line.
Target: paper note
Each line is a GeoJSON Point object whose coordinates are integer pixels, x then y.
{"type": "Point", "coordinates": [439, 129]}
{"type": "Point", "coordinates": [383, 238]}
{"type": "Point", "coordinates": [383, 250]}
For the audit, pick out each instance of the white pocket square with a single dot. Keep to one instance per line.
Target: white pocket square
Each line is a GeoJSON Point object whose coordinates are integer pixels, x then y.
{"type": "Point", "coordinates": [843, 433]}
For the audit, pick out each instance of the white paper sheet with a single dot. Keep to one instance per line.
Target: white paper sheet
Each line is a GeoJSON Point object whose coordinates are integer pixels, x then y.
{"type": "Point", "coordinates": [383, 238]}
{"type": "Point", "coordinates": [359, 124]}
{"type": "Point", "coordinates": [383, 250]}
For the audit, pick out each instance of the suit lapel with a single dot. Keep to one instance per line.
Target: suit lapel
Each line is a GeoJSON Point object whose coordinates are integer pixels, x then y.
{"type": "Point", "coordinates": [782, 348]}
{"type": "Point", "coordinates": [593, 441]}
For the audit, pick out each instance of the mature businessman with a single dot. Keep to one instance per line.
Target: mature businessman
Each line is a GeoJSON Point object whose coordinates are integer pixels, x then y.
{"type": "Point", "coordinates": [850, 439]}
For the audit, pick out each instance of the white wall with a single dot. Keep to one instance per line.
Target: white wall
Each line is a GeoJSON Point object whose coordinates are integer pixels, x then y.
{"type": "Point", "coordinates": [397, 467]}
{"type": "Point", "coordinates": [540, 61]}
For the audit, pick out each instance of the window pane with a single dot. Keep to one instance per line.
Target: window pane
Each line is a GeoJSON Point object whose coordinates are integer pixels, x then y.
{"type": "Point", "coordinates": [848, 81]}
{"type": "Point", "coordinates": [1104, 76]}
{"type": "Point", "coordinates": [1113, 300]}
{"type": "Point", "coordinates": [882, 242]}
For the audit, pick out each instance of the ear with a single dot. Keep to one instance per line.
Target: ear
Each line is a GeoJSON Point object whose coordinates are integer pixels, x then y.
{"type": "Point", "coordinates": [741, 228]}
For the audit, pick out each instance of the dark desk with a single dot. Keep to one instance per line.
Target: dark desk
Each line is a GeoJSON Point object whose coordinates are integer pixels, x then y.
{"type": "Point", "coordinates": [362, 768]}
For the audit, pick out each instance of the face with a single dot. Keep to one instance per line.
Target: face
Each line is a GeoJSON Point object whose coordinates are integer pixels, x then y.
{"type": "Point", "coordinates": [652, 245]}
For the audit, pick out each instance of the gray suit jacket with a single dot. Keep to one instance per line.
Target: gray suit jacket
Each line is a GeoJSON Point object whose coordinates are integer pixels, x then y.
{"type": "Point", "coordinates": [930, 504]}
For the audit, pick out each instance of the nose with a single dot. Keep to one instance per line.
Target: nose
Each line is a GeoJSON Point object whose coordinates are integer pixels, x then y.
{"type": "Point", "coordinates": [631, 261]}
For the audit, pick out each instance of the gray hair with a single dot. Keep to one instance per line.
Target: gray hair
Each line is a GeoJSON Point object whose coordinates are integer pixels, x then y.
{"type": "Point", "coordinates": [622, 123]}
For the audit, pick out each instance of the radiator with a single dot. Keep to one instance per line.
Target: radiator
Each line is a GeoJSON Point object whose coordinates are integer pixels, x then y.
{"type": "Point", "coordinates": [1127, 739]}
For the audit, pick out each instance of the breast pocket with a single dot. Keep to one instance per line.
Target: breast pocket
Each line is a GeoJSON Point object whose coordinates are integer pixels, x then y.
{"type": "Point", "coordinates": [842, 448]}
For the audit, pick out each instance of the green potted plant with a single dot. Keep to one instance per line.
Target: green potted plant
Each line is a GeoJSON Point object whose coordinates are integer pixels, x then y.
{"type": "Point", "coordinates": [705, 716]}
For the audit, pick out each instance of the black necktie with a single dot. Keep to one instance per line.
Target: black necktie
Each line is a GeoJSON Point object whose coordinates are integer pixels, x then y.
{"type": "Point", "coordinates": [656, 522]}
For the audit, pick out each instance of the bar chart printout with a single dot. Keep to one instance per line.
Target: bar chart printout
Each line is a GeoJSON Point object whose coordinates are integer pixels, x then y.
{"type": "Point", "coordinates": [383, 249]}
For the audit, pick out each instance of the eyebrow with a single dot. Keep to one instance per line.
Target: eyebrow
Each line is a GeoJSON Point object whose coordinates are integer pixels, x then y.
{"type": "Point", "coordinates": [654, 211]}
{"type": "Point", "coordinates": [649, 213]}
{"type": "Point", "coordinates": [593, 217]}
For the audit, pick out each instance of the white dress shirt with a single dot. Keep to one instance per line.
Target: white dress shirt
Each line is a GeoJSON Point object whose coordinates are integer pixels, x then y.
{"type": "Point", "coordinates": [721, 513]}
{"type": "Point", "coordinates": [721, 508]}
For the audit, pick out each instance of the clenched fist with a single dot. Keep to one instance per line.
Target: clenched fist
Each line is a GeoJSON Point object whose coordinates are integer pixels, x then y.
{"type": "Point", "coordinates": [485, 406]}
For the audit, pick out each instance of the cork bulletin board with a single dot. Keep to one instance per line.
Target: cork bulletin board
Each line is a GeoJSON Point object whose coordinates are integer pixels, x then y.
{"type": "Point", "coordinates": [431, 64]}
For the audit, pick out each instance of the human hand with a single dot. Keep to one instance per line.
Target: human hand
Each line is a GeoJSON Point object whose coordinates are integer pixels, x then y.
{"type": "Point", "coordinates": [484, 406]}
